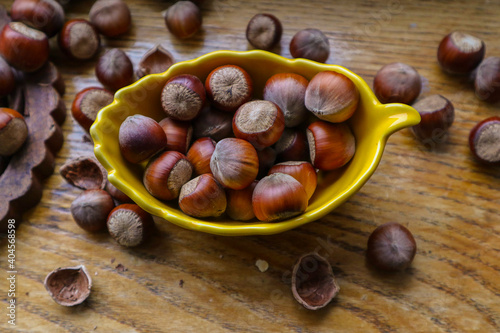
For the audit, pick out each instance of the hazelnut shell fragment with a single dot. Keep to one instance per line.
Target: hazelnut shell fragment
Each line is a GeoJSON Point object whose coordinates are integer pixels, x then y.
{"type": "Point", "coordinates": [313, 282]}
{"type": "Point", "coordinates": [84, 172]}
{"type": "Point", "coordinates": [156, 60]}
{"type": "Point", "coordinates": [69, 286]}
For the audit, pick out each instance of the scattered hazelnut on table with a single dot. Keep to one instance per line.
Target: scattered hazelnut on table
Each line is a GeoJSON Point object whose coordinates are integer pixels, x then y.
{"type": "Point", "coordinates": [397, 83]}
{"type": "Point", "coordinates": [310, 44]}
{"type": "Point", "coordinates": [484, 141]}
{"type": "Point", "coordinates": [264, 31]}
{"type": "Point", "coordinates": [44, 15]}
{"type": "Point", "coordinates": [114, 69]}
{"type": "Point", "coordinates": [487, 82]}
{"type": "Point", "coordinates": [460, 52]}
{"type": "Point", "coordinates": [437, 115]}
{"type": "Point", "coordinates": [183, 19]}
{"type": "Point", "coordinates": [111, 17]}
{"type": "Point", "coordinates": [79, 39]}
{"type": "Point", "coordinates": [129, 225]}
{"type": "Point", "coordinates": [91, 208]}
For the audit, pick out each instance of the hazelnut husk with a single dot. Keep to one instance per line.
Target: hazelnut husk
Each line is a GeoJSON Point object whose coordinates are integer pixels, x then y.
{"type": "Point", "coordinates": [313, 282]}
{"type": "Point", "coordinates": [84, 172]}
{"type": "Point", "coordinates": [69, 286]}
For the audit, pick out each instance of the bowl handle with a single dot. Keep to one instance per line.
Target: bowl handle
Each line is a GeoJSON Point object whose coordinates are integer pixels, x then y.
{"type": "Point", "coordinates": [399, 116]}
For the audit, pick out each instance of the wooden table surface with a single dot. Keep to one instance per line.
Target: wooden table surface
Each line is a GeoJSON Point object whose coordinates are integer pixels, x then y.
{"type": "Point", "coordinates": [184, 281]}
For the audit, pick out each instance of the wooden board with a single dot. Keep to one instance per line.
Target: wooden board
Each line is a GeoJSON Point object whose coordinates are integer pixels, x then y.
{"type": "Point", "coordinates": [183, 281]}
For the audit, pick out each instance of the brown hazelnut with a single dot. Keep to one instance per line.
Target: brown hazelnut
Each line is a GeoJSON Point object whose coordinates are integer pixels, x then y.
{"type": "Point", "coordinates": [183, 97]}
{"type": "Point", "coordinates": [239, 203]}
{"type": "Point", "coordinates": [200, 153]}
{"type": "Point", "coordinates": [129, 225]}
{"type": "Point", "coordinates": [331, 96]}
{"type": "Point", "coordinates": [292, 146]}
{"type": "Point", "coordinates": [44, 15]}
{"type": "Point", "coordinates": [391, 247]}
{"type": "Point", "coordinates": [213, 123]}
{"type": "Point", "coordinates": [84, 172]}
{"type": "Point", "coordinates": [229, 87]}
{"type": "Point", "coordinates": [234, 163]}
{"type": "Point", "coordinates": [264, 31]}
{"type": "Point", "coordinates": [110, 17]}
{"type": "Point", "coordinates": [397, 83]}
{"type": "Point", "coordinates": [7, 78]}
{"type": "Point", "coordinates": [87, 104]}
{"type": "Point", "coordinates": [24, 48]}
{"type": "Point", "coordinates": [91, 209]}
{"type": "Point", "coordinates": [79, 39]}
{"type": "Point", "coordinates": [331, 146]}
{"type": "Point", "coordinates": [313, 282]}
{"type": "Point", "coordinates": [484, 141]}
{"type": "Point", "coordinates": [166, 173]}
{"type": "Point", "coordinates": [259, 122]}
{"type": "Point", "coordinates": [302, 171]}
{"type": "Point", "coordinates": [277, 197]}
{"type": "Point", "coordinates": [437, 115]}
{"type": "Point", "coordinates": [267, 158]}
{"type": "Point", "coordinates": [183, 19]}
{"type": "Point", "coordinates": [310, 44]}
{"type": "Point", "coordinates": [203, 197]}
{"type": "Point", "coordinates": [288, 91]}
{"type": "Point", "coordinates": [13, 131]}
{"type": "Point", "coordinates": [117, 194]}
{"type": "Point", "coordinates": [156, 60]}
{"type": "Point", "coordinates": [114, 69]}
{"type": "Point", "coordinates": [140, 137]}
{"type": "Point", "coordinates": [487, 82]}
{"type": "Point", "coordinates": [179, 134]}
{"type": "Point", "coordinates": [69, 286]}
{"type": "Point", "coordinates": [460, 53]}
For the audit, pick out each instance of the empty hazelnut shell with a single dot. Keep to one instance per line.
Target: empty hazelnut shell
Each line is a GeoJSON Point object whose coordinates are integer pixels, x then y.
{"type": "Point", "coordinates": [69, 286]}
{"type": "Point", "coordinates": [84, 172]}
{"type": "Point", "coordinates": [313, 282]}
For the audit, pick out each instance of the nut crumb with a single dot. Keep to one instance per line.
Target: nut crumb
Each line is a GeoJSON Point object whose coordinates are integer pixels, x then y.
{"type": "Point", "coordinates": [181, 283]}
{"type": "Point", "coordinates": [221, 256]}
{"type": "Point", "coordinates": [121, 268]}
{"type": "Point", "coordinates": [262, 265]}
{"type": "Point", "coordinates": [113, 260]}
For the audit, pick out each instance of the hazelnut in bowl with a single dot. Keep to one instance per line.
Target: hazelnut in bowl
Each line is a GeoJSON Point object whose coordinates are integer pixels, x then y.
{"type": "Point", "coordinates": [370, 122]}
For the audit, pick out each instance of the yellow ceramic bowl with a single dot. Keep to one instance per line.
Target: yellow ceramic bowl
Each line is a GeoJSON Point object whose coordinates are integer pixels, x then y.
{"type": "Point", "coordinates": [372, 124]}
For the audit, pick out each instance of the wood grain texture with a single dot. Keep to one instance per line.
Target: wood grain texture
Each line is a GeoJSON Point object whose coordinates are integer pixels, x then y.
{"type": "Point", "coordinates": [448, 201]}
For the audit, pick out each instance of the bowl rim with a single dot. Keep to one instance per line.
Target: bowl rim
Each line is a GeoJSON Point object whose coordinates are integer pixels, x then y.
{"type": "Point", "coordinates": [407, 117]}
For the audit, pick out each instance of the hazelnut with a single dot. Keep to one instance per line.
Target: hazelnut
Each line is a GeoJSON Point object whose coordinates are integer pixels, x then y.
{"type": "Point", "coordinates": [84, 172]}
{"type": "Point", "coordinates": [117, 194]}
{"type": "Point", "coordinates": [110, 17]}
{"type": "Point", "coordinates": [200, 153]}
{"type": "Point", "coordinates": [24, 48]}
{"type": "Point", "coordinates": [44, 15]}
{"type": "Point", "coordinates": [310, 44]}
{"type": "Point", "coordinates": [203, 197]}
{"type": "Point", "coordinates": [178, 134]}
{"type": "Point", "coordinates": [13, 131]}
{"type": "Point", "coordinates": [140, 137]}
{"type": "Point", "coordinates": [183, 19]}
{"type": "Point", "coordinates": [288, 91]}
{"type": "Point", "coordinates": [302, 171]}
{"type": "Point", "coordinates": [292, 146]}
{"type": "Point", "coordinates": [487, 82]}
{"type": "Point", "coordinates": [69, 286]}
{"type": "Point", "coordinates": [397, 83]}
{"type": "Point", "coordinates": [114, 69]}
{"type": "Point", "coordinates": [391, 247]}
{"type": "Point", "coordinates": [91, 209]}
{"type": "Point", "coordinates": [484, 141]}
{"type": "Point", "coordinates": [331, 146]}
{"type": "Point", "coordinates": [264, 31]}
{"type": "Point", "coordinates": [156, 60]}
{"type": "Point", "coordinates": [229, 87]}
{"type": "Point", "coordinates": [7, 78]}
{"type": "Point", "coordinates": [79, 39]}
{"type": "Point", "coordinates": [313, 282]}
{"type": "Point", "coordinates": [213, 123]}
{"type": "Point", "coordinates": [460, 53]}
{"type": "Point", "coordinates": [259, 122]}
{"type": "Point", "coordinates": [267, 157]}
{"type": "Point", "coordinates": [129, 225]}
{"type": "Point", "coordinates": [88, 103]}
{"type": "Point", "coordinates": [277, 197]}
{"type": "Point", "coordinates": [437, 115]}
{"type": "Point", "coordinates": [234, 163]}
{"type": "Point", "coordinates": [183, 97]}
{"type": "Point", "coordinates": [166, 173]}
{"type": "Point", "coordinates": [331, 96]}
{"type": "Point", "coordinates": [239, 203]}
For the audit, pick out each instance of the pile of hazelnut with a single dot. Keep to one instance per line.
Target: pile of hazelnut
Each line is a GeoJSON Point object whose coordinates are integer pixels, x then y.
{"type": "Point", "coordinates": [240, 139]}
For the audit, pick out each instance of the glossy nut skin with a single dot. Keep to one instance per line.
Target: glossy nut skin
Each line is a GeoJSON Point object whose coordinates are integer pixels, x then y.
{"type": "Point", "coordinates": [229, 87]}
{"type": "Point", "coordinates": [484, 141]}
{"type": "Point", "coordinates": [239, 203]}
{"type": "Point", "coordinates": [397, 83]}
{"type": "Point", "coordinates": [140, 138]}
{"type": "Point", "coordinates": [13, 131]}
{"type": "Point", "coordinates": [331, 96]}
{"type": "Point", "coordinates": [114, 69]}
{"type": "Point", "coordinates": [310, 44]}
{"type": "Point", "coordinates": [79, 39]}
{"type": "Point", "coordinates": [203, 197]}
{"type": "Point", "coordinates": [200, 153]}
{"type": "Point", "coordinates": [183, 19]}
{"type": "Point", "coordinates": [178, 134]}
{"type": "Point", "coordinates": [460, 53]}
{"type": "Point", "coordinates": [331, 146]}
{"type": "Point", "coordinates": [292, 146]}
{"type": "Point", "coordinates": [183, 97]}
{"type": "Point", "coordinates": [391, 247]}
{"type": "Point", "coordinates": [278, 196]}
{"type": "Point", "coordinates": [166, 174]}
{"type": "Point", "coordinates": [129, 225]}
{"type": "Point", "coordinates": [91, 208]}
{"type": "Point", "coordinates": [234, 163]}
{"type": "Point", "coordinates": [44, 15]}
{"type": "Point", "coordinates": [110, 17]}
{"type": "Point", "coordinates": [302, 171]}
{"type": "Point", "coordinates": [87, 104]}
{"type": "Point", "coordinates": [24, 48]}
{"type": "Point", "coordinates": [487, 82]}
{"type": "Point", "coordinates": [437, 115]}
